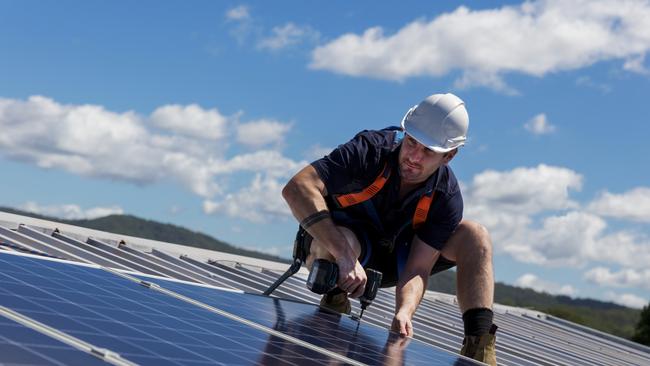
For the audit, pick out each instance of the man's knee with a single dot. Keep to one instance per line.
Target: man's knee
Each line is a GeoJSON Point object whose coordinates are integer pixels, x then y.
{"type": "Point", "coordinates": [477, 234]}
{"type": "Point", "coordinates": [469, 237]}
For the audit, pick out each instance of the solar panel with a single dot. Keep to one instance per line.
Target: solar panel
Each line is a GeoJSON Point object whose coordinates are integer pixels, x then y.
{"type": "Point", "coordinates": [167, 268]}
{"type": "Point", "coordinates": [68, 247]}
{"type": "Point", "coordinates": [150, 327]}
{"type": "Point", "coordinates": [143, 326]}
{"type": "Point", "coordinates": [20, 345]}
{"type": "Point", "coordinates": [133, 261]}
{"type": "Point", "coordinates": [98, 251]}
{"type": "Point", "coordinates": [358, 341]}
{"type": "Point", "coordinates": [206, 268]}
{"type": "Point", "coordinates": [197, 273]}
{"type": "Point", "coordinates": [16, 238]}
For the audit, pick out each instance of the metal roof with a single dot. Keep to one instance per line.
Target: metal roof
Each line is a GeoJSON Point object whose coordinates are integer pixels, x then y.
{"type": "Point", "coordinates": [525, 337]}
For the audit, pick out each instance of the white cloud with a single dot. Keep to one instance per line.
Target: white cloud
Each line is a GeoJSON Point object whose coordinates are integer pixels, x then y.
{"type": "Point", "coordinates": [524, 190]}
{"type": "Point", "coordinates": [71, 211]}
{"type": "Point", "coordinates": [530, 280]}
{"type": "Point", "coordinates": [505, 203]}
{"type": "Point", "coordinates": [636, 64]}
{"type": "Point", "coordinates": [191, 120]}
{"type": "Point", "coordinates": [261, 201]}
{"type": "Point", "coordinates": [566, 240]}
{"type": "Point", "coordinates": [573, 239]}
{"type": "Point", "coordinates": [241, 23]}
{"type": "Point", "coordinates": [269, 161]}
{"type": "Point", "coordinates": [588, 82]}
{"type": "Point", "coordinates": [632, 205]}
{"type": "Point", "coordinates": [539, 125]}
{"type": "Point", "coordinates": [629, 300]}
{"type": "Point", "coordinates": [624, 278]}
{"type": "Point", "coordinates": [238, 13]}
{"type": "Point", "coordinates": [533, 38]}
{"type": "Point", "coordinates": [476, 78]}
{"type": "Point", "coordinates": [262, 132]}
{"type": "Point", "coordinates": [91, 141]}
{"type": "Point", "coordinates": [624, 248]}
{"type": "Point", "coordinates": [525, 210]}
{"type": "Point", "coordinates": [288, 35]}
{"type": "Point", "coordinates": [82, 139]}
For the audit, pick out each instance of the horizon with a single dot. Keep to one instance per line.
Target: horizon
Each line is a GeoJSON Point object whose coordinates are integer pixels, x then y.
{"type": "Point", "coordinates": [234, 246]}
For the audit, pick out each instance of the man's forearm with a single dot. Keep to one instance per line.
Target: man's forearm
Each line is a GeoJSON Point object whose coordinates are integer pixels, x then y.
{"type": "Point", "coordinates": [409, 293]}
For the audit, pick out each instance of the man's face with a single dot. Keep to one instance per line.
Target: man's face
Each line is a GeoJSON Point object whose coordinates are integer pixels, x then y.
{"type": "Point", "coordinates": [417, 163]}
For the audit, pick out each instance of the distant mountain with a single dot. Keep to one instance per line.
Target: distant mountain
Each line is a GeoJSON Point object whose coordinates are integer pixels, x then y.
{"type": "Point", "coordinates": [147, 229]}
{"type": "Point", "coordinates": [604, 316]}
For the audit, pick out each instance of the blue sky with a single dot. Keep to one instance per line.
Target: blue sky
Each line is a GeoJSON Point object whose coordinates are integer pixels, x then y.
{"type": "Point", "coordinates": [197, 114]}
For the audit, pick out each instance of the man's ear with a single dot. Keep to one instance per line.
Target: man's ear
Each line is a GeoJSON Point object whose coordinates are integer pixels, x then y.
{"type": "Point", "coordinates": [450, 155]}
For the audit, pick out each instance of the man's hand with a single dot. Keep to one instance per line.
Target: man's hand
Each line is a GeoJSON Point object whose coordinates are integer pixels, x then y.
{"type": "Point", "coordinates": [352, 276]}
{"type": "Point", "coordinates": [402, 324]}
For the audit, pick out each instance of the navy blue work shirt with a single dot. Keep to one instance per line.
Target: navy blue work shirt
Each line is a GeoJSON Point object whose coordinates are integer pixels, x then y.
{"type": "Point", "coordinates": [355, 165]}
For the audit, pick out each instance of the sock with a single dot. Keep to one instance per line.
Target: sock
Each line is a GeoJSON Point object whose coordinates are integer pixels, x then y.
{"type": "Point", "coordinates": [477, 321]}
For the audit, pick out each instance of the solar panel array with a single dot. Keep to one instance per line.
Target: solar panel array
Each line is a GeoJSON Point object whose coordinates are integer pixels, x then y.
{"type": "Point", "coordinates": [92, 307]}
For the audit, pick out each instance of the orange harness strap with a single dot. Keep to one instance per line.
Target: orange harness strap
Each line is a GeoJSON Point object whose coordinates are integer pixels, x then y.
{"type": "Point", "coordinates": [422, 209]}
{"type": "Point", "coordinates": [347, 200]}
{"type": "Point", "coordinates": [350, 199]}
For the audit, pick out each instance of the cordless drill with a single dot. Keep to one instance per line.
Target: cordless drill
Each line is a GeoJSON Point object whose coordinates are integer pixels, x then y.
{"type": "Point", "coordinates": [324, 275]}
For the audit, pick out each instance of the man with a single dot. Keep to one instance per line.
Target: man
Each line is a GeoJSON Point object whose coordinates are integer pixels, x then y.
{"type": "Point", "coordinates": [387, 200]}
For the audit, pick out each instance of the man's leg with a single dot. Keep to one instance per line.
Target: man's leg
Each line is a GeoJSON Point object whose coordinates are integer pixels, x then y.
{"type": "Point", "coordinates": [471, 248]}
{"type": "Point", "coordinates": [336, 300]}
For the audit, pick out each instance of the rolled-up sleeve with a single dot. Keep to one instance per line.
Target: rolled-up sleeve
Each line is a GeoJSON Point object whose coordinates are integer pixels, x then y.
{"type": "Point", "coordinates": [352, 162]}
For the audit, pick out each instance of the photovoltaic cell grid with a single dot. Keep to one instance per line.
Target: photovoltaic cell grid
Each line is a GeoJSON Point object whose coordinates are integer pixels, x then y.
{"type": "Point", "coordinates": [358, 341]}
{"type": "Point", "coordinates": [20, 345]}
{"type": "Point", "coordinates": [142, 325]}
{"type": "Point", "coordinates": [149, 327]}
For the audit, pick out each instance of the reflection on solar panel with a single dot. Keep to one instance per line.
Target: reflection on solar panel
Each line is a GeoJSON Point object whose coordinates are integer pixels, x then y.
{"type": "Point", "coordinates": [340, 334]}
{"type": "Point", "coordinates": [196, 324]}
{"type": "Point", "coordinates": [151, 327]}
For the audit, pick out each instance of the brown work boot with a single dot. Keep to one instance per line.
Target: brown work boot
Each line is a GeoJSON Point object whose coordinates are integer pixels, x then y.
{"type": "Point", "coordinates": [338, 302]}
{"type": "Point", "coordinates": [481, 348]}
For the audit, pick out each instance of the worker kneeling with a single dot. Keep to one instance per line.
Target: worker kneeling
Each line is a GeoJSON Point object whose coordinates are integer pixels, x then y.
{"type": "Point", "coordinates": [388, 200]}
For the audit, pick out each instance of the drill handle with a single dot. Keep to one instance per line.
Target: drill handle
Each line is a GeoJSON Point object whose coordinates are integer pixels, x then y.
{"type": "Point", "coordinates": [372, 284]}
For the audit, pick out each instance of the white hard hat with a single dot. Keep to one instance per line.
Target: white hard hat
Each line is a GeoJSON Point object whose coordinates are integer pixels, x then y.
{"type": "Point", "coordinates": [439, 122]}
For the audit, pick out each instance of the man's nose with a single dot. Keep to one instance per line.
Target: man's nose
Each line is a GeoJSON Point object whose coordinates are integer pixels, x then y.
{"type": "Point", "coordinates": [416, 155]}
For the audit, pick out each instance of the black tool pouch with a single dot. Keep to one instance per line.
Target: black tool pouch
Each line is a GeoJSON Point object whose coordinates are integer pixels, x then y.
{"type": "Point", "coordinates": [302, 244]}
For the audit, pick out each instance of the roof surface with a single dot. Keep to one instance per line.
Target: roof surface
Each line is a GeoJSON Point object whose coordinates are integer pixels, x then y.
{"type": "Point", "coordinates": [47, 266]}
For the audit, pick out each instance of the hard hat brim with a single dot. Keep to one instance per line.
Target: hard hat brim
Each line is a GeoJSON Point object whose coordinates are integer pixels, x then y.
{"type": "Point", "coordinates": [424, 140]}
